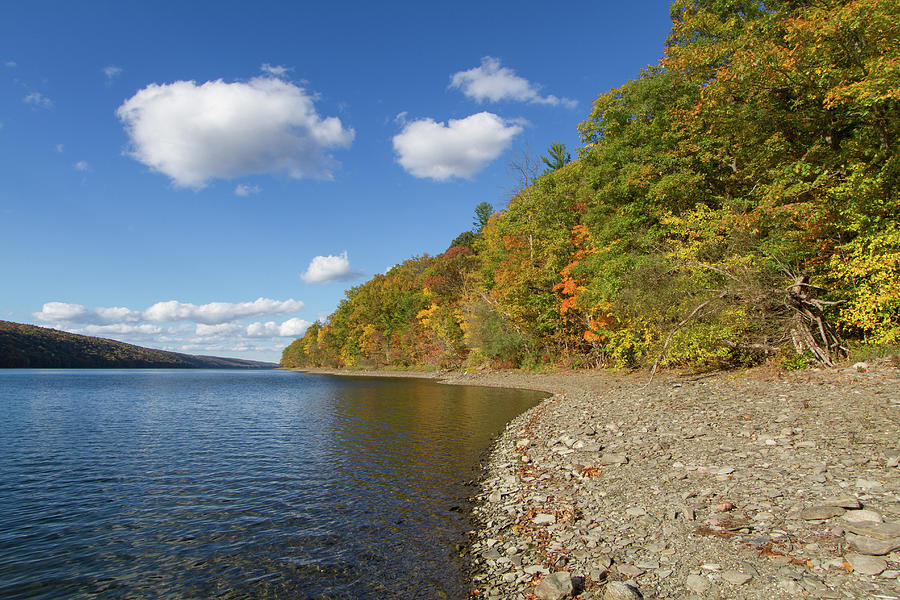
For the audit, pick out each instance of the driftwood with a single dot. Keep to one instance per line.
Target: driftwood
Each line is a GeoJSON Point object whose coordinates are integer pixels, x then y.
{"type": "Point", "coordinates": [809, 328]}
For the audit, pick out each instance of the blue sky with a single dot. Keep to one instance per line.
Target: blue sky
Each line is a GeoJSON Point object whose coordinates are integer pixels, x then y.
{"type": "Point", "coordinates": [209, 177]}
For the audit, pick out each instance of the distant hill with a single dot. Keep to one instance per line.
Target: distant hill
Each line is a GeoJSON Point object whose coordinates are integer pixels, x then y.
{"type": "Point", "coordinates": [28, 346]}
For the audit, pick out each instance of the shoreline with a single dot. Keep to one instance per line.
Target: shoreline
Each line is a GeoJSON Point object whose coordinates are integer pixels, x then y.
{"type": "Point", "coordinates": [736, 485]}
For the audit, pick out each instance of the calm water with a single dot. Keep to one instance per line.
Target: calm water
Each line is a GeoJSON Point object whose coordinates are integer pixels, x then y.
{"type": "Point", "coordinates": [237, 484]}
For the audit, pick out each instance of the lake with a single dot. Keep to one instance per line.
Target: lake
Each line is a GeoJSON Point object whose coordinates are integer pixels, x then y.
{"type": "Point", "coordinates": [238, 484]}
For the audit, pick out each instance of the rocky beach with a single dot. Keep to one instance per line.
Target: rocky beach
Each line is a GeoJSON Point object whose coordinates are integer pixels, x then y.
{"type": "Point", "coordinates": [739, 485]}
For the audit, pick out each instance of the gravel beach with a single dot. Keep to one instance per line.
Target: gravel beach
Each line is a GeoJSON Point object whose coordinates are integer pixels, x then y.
{"type": "Point", "coordinates": [739, 485]}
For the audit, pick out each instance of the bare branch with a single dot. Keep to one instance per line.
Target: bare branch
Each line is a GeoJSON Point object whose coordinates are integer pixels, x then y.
{"type": "Point", "coordinates": [677, 327]}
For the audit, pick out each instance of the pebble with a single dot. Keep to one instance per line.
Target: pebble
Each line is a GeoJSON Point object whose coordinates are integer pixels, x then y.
{"type": "Point", "coordinates": [616, 470]}
{"type": "Point", "coordinates": [790, 586]}
{"type": "Point", "coordinates": [629, 570]}
{"type": "Point", "coordinates": [544, 519]}
{"type": "Point", "coordinates": [868, 484]}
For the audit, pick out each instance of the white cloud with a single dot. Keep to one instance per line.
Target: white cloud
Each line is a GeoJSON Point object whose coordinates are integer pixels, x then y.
{"type": "Point", "coordinates": [218, 312]}
{"type": "Point", "coordinates": [460, 148]}
{"type": "Point", "coordinates": [325, 269]}
{"type": "Point", "coordinates": [10, 63]}
{"type": "Point", "coordinates": [291, 328]}
{"type": "Point", "coordinates": [111, 72]}
{"type": "Point", "coordinates": [60, 148]}
{"type": "Point", "coordinates": [82, 165]}
{"type": "Point", "coordinates": [167, 312]}
{"type": "Point", "coordinates": [63, 311]}
{"type": "Point", "coordinates": [492, 82]}
{"type": "Point", "coordinates": [246, 190]}
{"type": "Point", "coordinates": [38, 100]}
{"type": "Point", "coordinates": [274, 70]}
{"type": "Point", "coordinates": [194, 133]}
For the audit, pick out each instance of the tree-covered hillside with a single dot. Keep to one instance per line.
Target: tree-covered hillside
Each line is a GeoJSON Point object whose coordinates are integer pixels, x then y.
{"type": "Point", "coordinates": [28, 346]}
{"type": "Point", "coordinates": [737, 202]}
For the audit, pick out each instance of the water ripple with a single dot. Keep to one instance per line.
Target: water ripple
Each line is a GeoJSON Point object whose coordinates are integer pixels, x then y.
{"type": "Point", "coordinates": [198, 484]}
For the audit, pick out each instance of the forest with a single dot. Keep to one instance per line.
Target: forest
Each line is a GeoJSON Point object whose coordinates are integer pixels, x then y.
{"type": "Point", "coordinates": [735, 204]}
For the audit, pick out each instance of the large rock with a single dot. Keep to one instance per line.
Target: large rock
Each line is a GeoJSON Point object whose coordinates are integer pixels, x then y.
{"type": "Point", "coordinates": [616, 590]}
{"type": "Point", "coordinates": [879, 531]}
{"type": "Point", "coordinates": [867, 565]}
{"type": "Point", "coordinates": [821, 512]}
{"type": "Point", "coordinates": [736, 577]}
{"type": "Point", "coordinates": [611, 458]}
{"type": "Point", "coordinates": [871, 546]}
{"type": "Point", "coordinates": [697, 583]}
{"type": "Point", "coordinates": [555, 587]}
{"type": "Point", "coordinates": [862, 516]}
{"type": "Point", "coordinates": [843, 502]}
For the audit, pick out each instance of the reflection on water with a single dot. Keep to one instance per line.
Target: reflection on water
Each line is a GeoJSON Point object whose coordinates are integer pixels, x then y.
{"type": "Point", "coordinates": [237, 484]}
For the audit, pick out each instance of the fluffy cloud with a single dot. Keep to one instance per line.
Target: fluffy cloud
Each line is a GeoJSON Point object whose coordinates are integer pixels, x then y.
{"type": "Point", "coordinates": [38, 100]}
{"type": "Point", "coordinates": [64, 311]}
{"type": "Point", "coordinates": [460, 148]}
{"type": "Point", "coordinates": [325, 269]}
{"type": "Point", "coordinates": [492, 82]}
{"type": "Point", "coordinates": [293, 327]}
{"type": "Point", "coordinates": [194, 133]}
{"type": "Point", "coordinates": [218, 312]}
{"type": "Point", "coordinates": [82, 165]}
{"type": "Point", "coordinates": [166, 312]}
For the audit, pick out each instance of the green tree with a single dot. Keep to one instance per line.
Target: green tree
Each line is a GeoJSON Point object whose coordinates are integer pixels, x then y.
{"type": "Point", "coordinates": [559, 157]}
{"type": "Point", "coordinates": [483, 214]}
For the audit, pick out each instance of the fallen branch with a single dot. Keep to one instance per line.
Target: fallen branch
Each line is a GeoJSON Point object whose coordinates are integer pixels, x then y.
{"type": "Point", "coordinates": [677, 327]}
